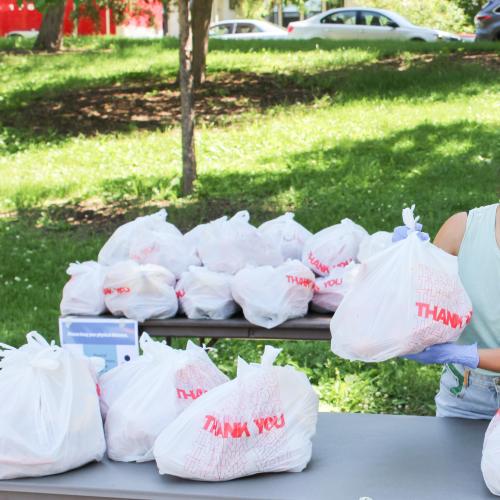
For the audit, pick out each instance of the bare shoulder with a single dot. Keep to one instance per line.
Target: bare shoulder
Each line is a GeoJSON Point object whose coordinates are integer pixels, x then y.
{"type": "Point", "coordinates": [451, 233]}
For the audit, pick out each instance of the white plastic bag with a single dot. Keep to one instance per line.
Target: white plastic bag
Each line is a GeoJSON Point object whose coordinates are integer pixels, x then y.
{"type": "Point", "coordinates": [226, 246]}
{"type": "Point", "coordinates": [271, 295]}
{"type": "Point", "coordinates": [262, 421]}
{"type": "Point", "coordinates": [168, 250]}
{"type": "Point", "coordinates": [403, 299]}
{"type": "Point", "coordinates": [83, 293]}
{"type": "Point", "coordinates": [50, 418]}
{"type": "Point", "coordinates": [330, 290]}
{"type": "Point", "coordinates": [373, 244]}
{"type": "Point", "coordinates": [288, 234]}
{"type": "Point", "coordinates": [204, 294]}
{"type": "Point", "coordinates": [117, 248]}
{"type": "Point", "coordinates": [142, 397]}
{"type": "Point", "coordinates": [195, 236]}
{"type": "Point", "coordinates": [490, 462]}
{"type": "Point", "coordinates": [140, 292]}
{"type": "Point", "coordinates": [334, 246]}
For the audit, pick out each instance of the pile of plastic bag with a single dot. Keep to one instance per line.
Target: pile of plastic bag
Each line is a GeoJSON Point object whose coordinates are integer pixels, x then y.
{"type": "Point", "coordinates": [172, 405]}
{"type": "Point", "coordinates": [375, 283]}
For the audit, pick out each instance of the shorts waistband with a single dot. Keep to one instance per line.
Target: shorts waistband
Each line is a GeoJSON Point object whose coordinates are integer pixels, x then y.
{"type": "Point", "coordinates": [471, 376]}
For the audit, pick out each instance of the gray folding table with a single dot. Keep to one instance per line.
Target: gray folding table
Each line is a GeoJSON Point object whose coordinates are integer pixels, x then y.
{"type": "Point", "coordinates": [382, 457]}
{"type": "Point", "coordinates": [311, 327]}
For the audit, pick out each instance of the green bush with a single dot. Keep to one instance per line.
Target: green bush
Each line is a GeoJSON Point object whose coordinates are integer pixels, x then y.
{"type": "Point", "coordinates": [440, 14]}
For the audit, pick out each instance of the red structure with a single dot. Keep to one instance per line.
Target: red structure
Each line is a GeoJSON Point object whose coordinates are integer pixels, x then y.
{"type": "Point", "coordinates": [27, 18]}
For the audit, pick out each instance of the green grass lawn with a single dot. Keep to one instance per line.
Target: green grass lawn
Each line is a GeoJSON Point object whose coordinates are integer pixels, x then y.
{"type": "Point", "coordinates": [89, 138]}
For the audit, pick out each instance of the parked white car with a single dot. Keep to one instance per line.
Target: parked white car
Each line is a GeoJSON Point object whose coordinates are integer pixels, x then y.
{"type": "Point", "coordinates": [246, 29]}
{"type": "Point", "coordinates": [364, 24]}
{"type": "Point", "coordinates": [22, 34]}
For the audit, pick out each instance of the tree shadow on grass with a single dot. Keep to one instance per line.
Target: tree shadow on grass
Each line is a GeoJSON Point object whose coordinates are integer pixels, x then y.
{"type": "Point", "coordinates": [441, 168]}
{"type": "Point", "coordinates": [137, 104]}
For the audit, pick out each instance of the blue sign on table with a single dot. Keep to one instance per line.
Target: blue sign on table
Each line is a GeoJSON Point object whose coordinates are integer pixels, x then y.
{"type": "Point", "coordinates": [113, 339]}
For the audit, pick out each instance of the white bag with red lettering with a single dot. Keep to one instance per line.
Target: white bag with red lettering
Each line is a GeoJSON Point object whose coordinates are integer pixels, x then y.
{"type": "Point", "coordinates": [140, 292]}
{"type": "Point", "coordinates": [204, 294]}
{"type": "Point", "coordinates": [490, 462]}
{"type": "Point", "coordinates": [83, 293]}
{"type": "Point", "coordinates": [262, 421]}
{"type": "Point", "coordinates": [141, 397]}
{"type": "Point", "coordinates": [329, 291]}
{"type": "Point", "coordinates": [271, 295]}
{"type": "Point", "coordinates": [288, 234]}
{"type": "Point", "coordinates": [373, 244]}
{"type": "Point", "coordinates": [50, 418]}
{"type": "Point", "coordinates": [403, 299]}
{"type": "Point", "coordinates": [226, 246]}
{"type": "Point", "coordinates": [117, 248]}
{"type": "Point", "coordinates": [333, 247]}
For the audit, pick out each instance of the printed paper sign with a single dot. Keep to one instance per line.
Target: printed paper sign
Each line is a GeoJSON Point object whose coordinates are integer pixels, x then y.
{"type": "Point", "coordinates": [113, 339]}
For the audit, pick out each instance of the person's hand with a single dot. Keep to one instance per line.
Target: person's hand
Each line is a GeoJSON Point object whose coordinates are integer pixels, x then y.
{"type": "Point", "coordinates": [466, 355]}
{"type": "Point", "coordinates": [401, 232]}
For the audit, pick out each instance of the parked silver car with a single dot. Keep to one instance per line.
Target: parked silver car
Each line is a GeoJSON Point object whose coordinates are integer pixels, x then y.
{"type": "Point", "coordinates": [368, 23]}
{"type": "Point", "coordinates": [246, 29]}
{"type": "Point", "coordinates": [487, 21]}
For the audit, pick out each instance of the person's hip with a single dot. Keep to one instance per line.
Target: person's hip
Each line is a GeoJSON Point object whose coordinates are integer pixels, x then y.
{"type": "Point", "coordinates": [465, 393]}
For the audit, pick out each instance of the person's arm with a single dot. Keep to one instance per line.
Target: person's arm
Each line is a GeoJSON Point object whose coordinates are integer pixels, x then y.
{"type": "Point", "coordinates": [450, 235]}
{"type": "Point", "coordinates": [489, 359]}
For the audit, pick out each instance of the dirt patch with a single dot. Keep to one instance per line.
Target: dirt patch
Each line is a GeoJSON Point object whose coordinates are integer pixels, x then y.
{"type": "Point", "coordinates": [154, 105]}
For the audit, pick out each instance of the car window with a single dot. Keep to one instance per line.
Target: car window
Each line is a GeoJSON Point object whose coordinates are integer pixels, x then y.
{"type": "Point", "coordinates": [246, 28]}
{"type": "Point", "coordinates": [221, 29]}
{"type": "Point", "coordinates": [343, 17]}
{"type": "Point", "coordinates": [373, 19]}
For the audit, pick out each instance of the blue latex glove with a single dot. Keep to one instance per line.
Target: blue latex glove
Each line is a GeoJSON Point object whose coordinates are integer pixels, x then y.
{"type": "Point", "coordinates": [401, 232]}
{"type": "Point", "coordinates": [466, 355]}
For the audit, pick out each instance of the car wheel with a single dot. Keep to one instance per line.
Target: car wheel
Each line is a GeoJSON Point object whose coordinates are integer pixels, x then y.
{"type": "Point", "coordinates": [496, 38]}
{"type": "Point", "coordinates": [417, 40]}
{"type": "Point", "coordinates": [15, 36]}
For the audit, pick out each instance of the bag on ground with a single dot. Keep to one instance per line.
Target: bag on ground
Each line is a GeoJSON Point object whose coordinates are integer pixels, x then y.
{"type": "Point", "coordinates": [118, 246]}
{"type": "Point", "coordinates": [226, 246]}
{"type": "Point", "coordinates": [373, 244]}
{"type": "Point", "coordinates": [333, 247]}
{"type": "Point", "coordinates": [402, 300]}
{"type": "Point", "coordinates": [204, 294]}
{"type": "Point", "coordinates": [262, 421]}
{"type": "Point", "coordinates": [490, 462]}
{"type": "Point", "coordinates": [50, 418]}
{"type": "Point", "coordinates": [271, 295]}
{"type": "Point", "coordinates": [142, 397]}
{"type": "Point", "coordinates": [330, 290]}
{"type": "Point", "coordinates": [83, 294]}
{"type": "Point", "coordinates": [140, 292]}
{"type": "Point", "coordinates": [288, 234]}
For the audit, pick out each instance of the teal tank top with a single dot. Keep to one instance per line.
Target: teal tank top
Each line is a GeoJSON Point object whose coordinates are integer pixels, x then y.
{"type": "Point", "coordinates": [479, 269]}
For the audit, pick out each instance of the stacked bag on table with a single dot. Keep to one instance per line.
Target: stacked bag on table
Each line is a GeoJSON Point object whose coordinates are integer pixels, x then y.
{"type": "Point", "coordinates": [393, 293]}
{"type": "Point", "coordinates": [172, 405]}
{"type": "Point", "coordinates": [149, 269]}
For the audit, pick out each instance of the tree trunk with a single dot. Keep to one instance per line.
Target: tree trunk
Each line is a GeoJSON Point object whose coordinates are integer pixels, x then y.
{"type": "Point", "coordinates": [201, 13]}
{"type": "Point", "coordinates": [279, 4]}
{"type": "Point", "coordinates": [187, 97]}
{"type": "Point", "coordinates": [323, 5]}
{"type": "Point", "coordinates": [50, 36]}
{"type": "Point", "coordinates": [166, 13]}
